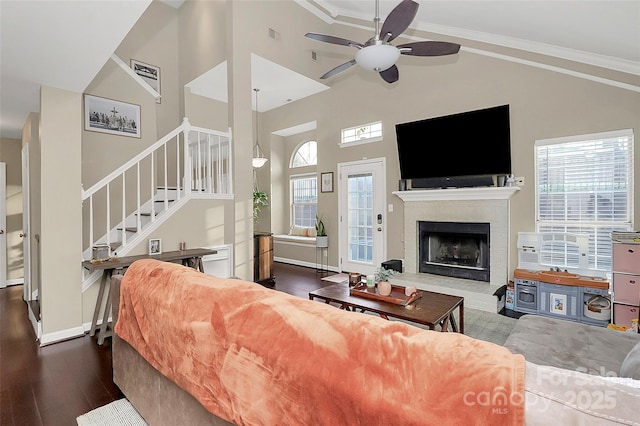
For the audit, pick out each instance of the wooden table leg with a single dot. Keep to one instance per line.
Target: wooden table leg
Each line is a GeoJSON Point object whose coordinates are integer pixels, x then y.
{"type": "Point", "coordinates": [454, 326]}
{"type": "Point", "coordinates": [96, 311]}
{"type": "Point", "coordinates": [445, 324]}
{"type": "Point", "coordinates": [107, 310]}
{"type": "Point", "coordinates": [461, 317]}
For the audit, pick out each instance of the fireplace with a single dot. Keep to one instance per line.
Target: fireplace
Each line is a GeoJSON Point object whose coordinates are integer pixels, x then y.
{"type": "Point", "coordinates": [454, 249]}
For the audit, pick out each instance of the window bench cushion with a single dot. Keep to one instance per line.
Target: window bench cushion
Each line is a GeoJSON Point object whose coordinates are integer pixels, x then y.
{"type": "Point", "coordinates": [286, 238]}
{"type": "Point", "coordinates": [302, 231]}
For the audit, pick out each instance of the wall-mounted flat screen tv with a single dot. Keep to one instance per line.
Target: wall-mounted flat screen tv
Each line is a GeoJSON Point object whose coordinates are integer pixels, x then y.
{"type": "Point", "coordinates": [473, 143]}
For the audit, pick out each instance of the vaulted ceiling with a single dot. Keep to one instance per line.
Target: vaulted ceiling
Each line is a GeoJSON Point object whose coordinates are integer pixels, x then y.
{"type": "Point", "coordinates": [65, 43]}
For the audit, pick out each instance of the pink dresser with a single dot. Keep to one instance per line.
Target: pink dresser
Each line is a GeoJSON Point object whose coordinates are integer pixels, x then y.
{"type": "Point", "coordinates": [626, 282]}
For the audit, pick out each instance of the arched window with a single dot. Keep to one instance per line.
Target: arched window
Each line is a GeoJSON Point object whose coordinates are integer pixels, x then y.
{"type": "Point", "coordinates": [304, 187]}
{"type": "Point", "coordinates": [305, 155]}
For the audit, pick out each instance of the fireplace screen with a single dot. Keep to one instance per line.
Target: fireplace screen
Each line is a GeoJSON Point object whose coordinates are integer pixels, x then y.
{"type": "Point", "coordinates": [455, 249]}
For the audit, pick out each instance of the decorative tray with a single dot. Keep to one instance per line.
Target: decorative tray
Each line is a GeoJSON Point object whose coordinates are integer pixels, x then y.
{"type": "Point", "coordinates": [396, 297]}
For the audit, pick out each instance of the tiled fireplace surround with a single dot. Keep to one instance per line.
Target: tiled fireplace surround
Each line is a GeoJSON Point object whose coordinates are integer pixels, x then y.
{"type": "Point", "coordinates": [485, 204]}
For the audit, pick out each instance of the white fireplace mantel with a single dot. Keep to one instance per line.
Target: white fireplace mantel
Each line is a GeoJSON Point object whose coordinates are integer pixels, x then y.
{"type": "Point", "coordinates": [449, 194]}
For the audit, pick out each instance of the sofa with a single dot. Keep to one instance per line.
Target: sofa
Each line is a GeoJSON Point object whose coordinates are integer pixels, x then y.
{"type": "Point", "coordinates": [190, 348]}
{"type": "Point", "coordinates": [576, 346]}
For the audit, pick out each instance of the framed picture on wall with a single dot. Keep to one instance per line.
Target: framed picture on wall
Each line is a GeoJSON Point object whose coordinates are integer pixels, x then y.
{"type": "Point", "coordinates": [149, 73]}
{"type": "Point", "coordinates": [155, 246]}
{"type": "Point", "coordinates": [326, 182]}
{"type": "Point", "coordinates": [109, 116]}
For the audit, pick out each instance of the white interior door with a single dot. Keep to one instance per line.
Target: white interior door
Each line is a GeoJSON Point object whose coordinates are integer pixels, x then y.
{"type": "Point", "coordinates": [361, 201]}
{"type": "Point", "coordinates": [26, 263]}
{"type": "Point", "coordinates": [3, 225]}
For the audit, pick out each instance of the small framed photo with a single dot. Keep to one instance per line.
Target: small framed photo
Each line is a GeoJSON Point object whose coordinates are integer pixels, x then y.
{"type": "Point", "coordinates": [326, 182]}
{"type": "Point", "coordinates": [155, 246]}
{"type": "Point", "coordinates": [149, 73]}
{"type": "Point", "coordinates": [109, 116]}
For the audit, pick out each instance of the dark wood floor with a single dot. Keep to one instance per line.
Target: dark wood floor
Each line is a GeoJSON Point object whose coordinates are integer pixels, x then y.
{"type": "Point", "coordinates": [53, 385]}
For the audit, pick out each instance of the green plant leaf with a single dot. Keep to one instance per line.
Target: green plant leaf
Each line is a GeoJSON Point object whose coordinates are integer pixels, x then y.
{"type": "Point", "coordinates": [259, 199]}
{"type": "Point", "coordinates": [320, 230]}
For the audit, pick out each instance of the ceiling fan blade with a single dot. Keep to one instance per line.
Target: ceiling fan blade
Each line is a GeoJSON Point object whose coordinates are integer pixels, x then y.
{"type": "Point", "coordinates": [333, 40]}
{"type": "Point", "coordinates": [429, 48]}
{"type": "Point", "coordinates": [338, 69]}
{"type": "Point", "coordinates": [391, 74]}
{"type": "Point", "coordinates": [399, 19]}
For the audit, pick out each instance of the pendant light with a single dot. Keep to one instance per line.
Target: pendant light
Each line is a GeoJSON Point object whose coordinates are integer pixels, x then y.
{"type": "Point", "coordinates": [258, 159]}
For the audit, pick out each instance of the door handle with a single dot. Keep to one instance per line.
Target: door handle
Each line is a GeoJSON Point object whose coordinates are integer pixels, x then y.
{"type": "Point", "coordinates": [23, 234]}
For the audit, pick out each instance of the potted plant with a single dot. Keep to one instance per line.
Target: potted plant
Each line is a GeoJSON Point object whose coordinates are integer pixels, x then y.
{"type": "Point", "coordinates": [382, 278]}
{"type": "Point", "coordinates": [383, 274]}
{"type": "Point", "coordinates": [321, 233]}
{"type": "Point", "coordinates": [259, 199]}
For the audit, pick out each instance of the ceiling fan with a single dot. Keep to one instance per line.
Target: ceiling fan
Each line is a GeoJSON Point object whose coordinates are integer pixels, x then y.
{"type": "Point", "coordinates": [377, 54]}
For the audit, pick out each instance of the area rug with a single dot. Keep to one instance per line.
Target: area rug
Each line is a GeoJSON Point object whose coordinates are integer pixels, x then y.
{"type": "Point", "coordinates": [120, 413]}
{"type": "Point", "coordinates": [337, 278]}
{"type": "Point", "coordinates": [487, 326]}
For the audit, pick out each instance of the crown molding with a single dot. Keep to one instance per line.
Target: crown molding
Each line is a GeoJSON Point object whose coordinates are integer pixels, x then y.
{"type": "Point", "coordinates": [322, 10]}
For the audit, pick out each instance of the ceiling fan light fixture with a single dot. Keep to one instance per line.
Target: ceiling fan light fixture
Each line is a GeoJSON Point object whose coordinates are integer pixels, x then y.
{"type": "Point", "coordinates": [377, 57]}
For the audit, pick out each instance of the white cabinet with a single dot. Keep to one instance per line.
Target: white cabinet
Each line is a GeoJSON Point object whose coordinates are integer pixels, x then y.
{"type": "Point", "coordinates": [626, 282]}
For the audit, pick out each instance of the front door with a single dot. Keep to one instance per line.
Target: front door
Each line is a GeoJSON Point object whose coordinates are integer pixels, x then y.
{"type": "Point", "coordinates": [361, 201]}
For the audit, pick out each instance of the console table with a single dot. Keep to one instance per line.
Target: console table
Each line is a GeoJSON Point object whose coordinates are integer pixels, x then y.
{"type": "Point", "coordinates": [191, 258]}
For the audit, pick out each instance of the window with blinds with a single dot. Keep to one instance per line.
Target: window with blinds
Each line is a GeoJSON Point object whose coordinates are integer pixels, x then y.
{"type": "Point", "coordinates": [584, 185]}
{"type": "Point", "coordinates": [304, 200]}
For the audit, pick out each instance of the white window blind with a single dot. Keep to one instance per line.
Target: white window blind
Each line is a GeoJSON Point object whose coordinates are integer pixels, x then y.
{"type": "Point", "coordinates": [304, 200]}
{"type": "Point", "coordinates": [584, 185]}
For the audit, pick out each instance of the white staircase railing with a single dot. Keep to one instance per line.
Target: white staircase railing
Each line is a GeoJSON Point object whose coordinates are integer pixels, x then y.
{"type": "Point", "coordinates": [120, 207]}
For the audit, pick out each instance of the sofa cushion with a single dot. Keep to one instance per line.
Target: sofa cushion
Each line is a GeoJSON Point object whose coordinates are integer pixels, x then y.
{"type": "Point", "coordinates": [631, 365]}
{"type": "Point", "coordinates": [571, 345]}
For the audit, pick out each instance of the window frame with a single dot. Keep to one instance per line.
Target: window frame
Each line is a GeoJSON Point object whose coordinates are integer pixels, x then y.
{"type": "Point", "coordinates": [295, 154]}
{"type": "Point", "coordinates": [293, 204]}
{"type": "Point", "coordinates": [599, 253]}
{"type": "Point", "coordinates": [362, 140]}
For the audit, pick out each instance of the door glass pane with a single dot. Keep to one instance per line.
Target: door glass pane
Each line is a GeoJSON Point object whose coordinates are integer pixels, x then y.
{"type": "Point", "coordinates": [360, 213]}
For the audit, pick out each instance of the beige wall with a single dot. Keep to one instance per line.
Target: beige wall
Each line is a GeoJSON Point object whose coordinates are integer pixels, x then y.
{"type": "Point", "coordinates": [60, 213]}
{"type": "Point", "coordinates": [544, 104]}
{"type": "Point", "coordinates": [11, 155]}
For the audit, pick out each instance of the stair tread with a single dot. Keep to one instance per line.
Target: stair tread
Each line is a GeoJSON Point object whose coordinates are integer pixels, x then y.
{"type": "Point", "coordinates": [129, 229]}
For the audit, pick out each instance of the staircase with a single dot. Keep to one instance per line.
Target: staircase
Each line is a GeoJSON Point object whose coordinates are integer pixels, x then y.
{"type": "Point", "coordinates": [125, 207]}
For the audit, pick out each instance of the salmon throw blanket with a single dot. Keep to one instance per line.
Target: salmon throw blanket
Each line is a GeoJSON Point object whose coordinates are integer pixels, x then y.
{"type": "Point", "coordinates": [256, 356]}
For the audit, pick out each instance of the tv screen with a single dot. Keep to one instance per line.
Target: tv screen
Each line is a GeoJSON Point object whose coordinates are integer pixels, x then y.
{"type": "Point", "coordinates": [473, 143]}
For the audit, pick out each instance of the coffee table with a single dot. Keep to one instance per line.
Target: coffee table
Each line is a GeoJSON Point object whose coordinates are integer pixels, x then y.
{"type": "Point", "coordinates": [431, 310]}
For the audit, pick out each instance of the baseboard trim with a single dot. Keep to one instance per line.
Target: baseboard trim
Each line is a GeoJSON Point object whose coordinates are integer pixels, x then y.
{"type": "Point", "coordinates": [302, 263]}
{"type": "Point", "coordinates": [58, 336]}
